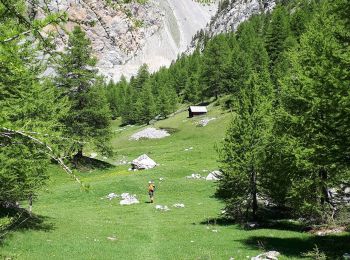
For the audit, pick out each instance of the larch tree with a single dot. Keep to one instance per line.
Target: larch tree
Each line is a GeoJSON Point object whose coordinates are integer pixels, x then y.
{"type": "Point", "coordinates": [30, 131]}
{"type": "Point", "coordinates": [315, 112]}
{"type": "Point", "coordinates": [89, 117]}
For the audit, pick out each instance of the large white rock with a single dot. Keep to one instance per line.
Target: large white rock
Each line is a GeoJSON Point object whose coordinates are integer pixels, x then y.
{"type": "Point", "coordinates": [143, 162]}
{"type": "Point", "coordinates": [213, 176]}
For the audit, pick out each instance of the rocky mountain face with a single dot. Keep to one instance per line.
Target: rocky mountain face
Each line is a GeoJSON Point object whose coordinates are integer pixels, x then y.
{"type": "Point", "coordinates": [230, 16]}
{"type": "Point", "coordinates": [124, 36]}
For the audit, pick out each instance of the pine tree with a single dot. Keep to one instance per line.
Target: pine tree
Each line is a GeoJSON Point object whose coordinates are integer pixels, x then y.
{"type": "Point", "coordinates": [147, 106]}
{"type": "Point", "coordinates": [88, 118]}
{"type": "Point", "coordinates": [314, 118]}
{"type": "Point", "coordinates": [112, 97]}
{"type": "Point", "coordinates": [30, 132]}
{"type": "Point", "coordinates": [216, 57]}
{"type": "Point", "coordinates": [243, 153]}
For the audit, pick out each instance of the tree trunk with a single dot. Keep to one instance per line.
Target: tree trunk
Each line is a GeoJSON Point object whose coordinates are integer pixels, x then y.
{"type": "Point", "coordinates": [323, 175]}
{"type": "Point", "coordinates": [78, 156]}
{"type": "Point", "coordinates": [30, 201]}
{"type": "Point", "coordinates": [254, 194]}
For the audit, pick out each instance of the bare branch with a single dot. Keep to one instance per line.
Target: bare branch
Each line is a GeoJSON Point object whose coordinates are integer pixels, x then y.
{"type": "Point", "coordinates": [50, 153]}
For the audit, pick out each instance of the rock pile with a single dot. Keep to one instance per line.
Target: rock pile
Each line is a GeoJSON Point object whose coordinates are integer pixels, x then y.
{"type": "Point", "coordinates": [150, 133]}
{"type": "Point", "coordinates": [128, 199]}
{"type": "Point", "coordinates": [205, 121]}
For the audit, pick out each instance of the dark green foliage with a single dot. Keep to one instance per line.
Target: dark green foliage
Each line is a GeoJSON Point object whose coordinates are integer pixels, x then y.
{"type": "Point", "coordinates": [215, 65]}
{"type": "Point", "coordinates": [315, 98]}
{"type": "Point", "coordinates": [89, 115]}
{"type": "Point", "coordinates": [30, 110]}
{"type": "Point", "coordinates": [243, 153]}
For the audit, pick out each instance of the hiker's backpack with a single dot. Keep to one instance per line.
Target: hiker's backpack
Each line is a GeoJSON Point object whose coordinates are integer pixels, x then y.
{"type": "Point", "coordinates": [151, 187]}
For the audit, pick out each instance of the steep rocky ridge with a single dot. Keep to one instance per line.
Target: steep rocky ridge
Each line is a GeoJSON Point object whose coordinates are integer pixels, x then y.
{"type": "Point", "coordinates": [124, 36]}
{"type": "Point", "coordinates": [231, 16]}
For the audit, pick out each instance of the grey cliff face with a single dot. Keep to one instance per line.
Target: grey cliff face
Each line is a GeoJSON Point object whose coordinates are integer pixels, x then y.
{"type": "Point", "coordinates": [228, 19]}
{"type": "Point", "coordinates": [124, 36]}
{"type": "Point", "coordinates": [117, 31]}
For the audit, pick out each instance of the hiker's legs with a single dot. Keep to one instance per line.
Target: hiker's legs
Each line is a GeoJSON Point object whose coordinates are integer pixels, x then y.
{"type": "Point", "coordinates": [151, 196]}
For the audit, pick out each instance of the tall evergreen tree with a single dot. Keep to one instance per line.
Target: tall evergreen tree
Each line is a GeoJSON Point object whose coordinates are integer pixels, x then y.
{"type": "Point", "coordinates": [88, 118]}
{"type": "Point", "coordinates": [30, 132]}
{"type": "Point", "coordinates": [216, 57]}
{"type": "Point", "coordinates": [112, 97]}
{"type": "Point", "coordinates": [243, 154]}
{"type": "Point", "coordinates": [315, 115]}
{"type": "Point", "coordinates": [147, 106]}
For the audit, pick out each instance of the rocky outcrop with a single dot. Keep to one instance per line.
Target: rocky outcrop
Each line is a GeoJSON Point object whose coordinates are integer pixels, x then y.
{"type": "Point", "coordinates": [124, 36]}
{"type": "Point", "coordinates": [231, 16]}
{"type": "Point", "coordinates": [117, 31]}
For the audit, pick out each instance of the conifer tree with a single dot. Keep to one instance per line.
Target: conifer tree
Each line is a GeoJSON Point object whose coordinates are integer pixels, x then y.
{"type": "Point", "coordinates": [112, 97]}
{"type": "Point", "coordinates": [88, 118]}
{"type": "Point", "coordinates": [243, 153]}
{"type": "Point", "coordinates": [30, 132]}
{"type": "Point", "coordinates": [314, 117]}
{"type": "Point", "coordinates": [146, 106]}
{"type": "Point", "coordinates": [216, 57]}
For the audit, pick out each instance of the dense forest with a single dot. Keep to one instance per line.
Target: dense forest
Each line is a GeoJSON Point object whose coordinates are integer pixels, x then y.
{"type": "Point", "coordinates": [283, 75]}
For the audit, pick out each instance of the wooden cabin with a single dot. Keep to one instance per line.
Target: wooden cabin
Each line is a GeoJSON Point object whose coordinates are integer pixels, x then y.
{"type": "Point", "coordinates": [197, 110]}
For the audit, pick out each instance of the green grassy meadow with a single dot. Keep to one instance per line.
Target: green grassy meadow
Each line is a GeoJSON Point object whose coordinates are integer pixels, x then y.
{"type": "Point", "coordinates": [74, 224]}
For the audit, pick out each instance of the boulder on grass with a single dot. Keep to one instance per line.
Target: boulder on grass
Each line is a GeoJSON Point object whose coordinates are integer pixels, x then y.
{"type": "Point", "coordinates": [143, 162]}
{"type": "Point", "coordinates": [213, 176]}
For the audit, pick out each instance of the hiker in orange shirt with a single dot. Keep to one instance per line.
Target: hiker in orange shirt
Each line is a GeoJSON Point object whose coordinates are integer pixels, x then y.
{"type": "Point", "coordinates": [151, 188]}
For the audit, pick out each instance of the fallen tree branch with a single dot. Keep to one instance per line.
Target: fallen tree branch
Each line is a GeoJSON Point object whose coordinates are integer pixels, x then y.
{"type": "Point", "coordinates": [50, 153]}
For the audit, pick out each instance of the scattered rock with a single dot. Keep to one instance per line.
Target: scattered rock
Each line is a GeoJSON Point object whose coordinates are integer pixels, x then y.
{"type": "Point", "coordinates": [195, 176]}
{"type": "Point", "coordinates": [214, 230]}
{"type": "Point", "coordinates": [112, 238]}
{"type": "Point", "coordinates": [93, 155]}
{"type": "Point", "coordinates": [162, 208]}
{"type": "Point", "coordinates": [205, 121]}
{"type": "Point", "coordinates": [150, 133]}
{"type": "Point", "coordinates": [143, 162]}
{"type": "Point", "coordinates": [346, 256]}
{"type": "Point", "coordinates": [179, 205]}
{"type": "Point", "coordinates": [214, 176]}
{"type": "Point", "coordinates": [251, 225]}
{"type": "Point", "coordinates": [128, 199]}
{"type": "Point", "coordinates": [112, 195]}
{"type": "Point", "coordinates": [189, 149]}
{"type": "Point", "coordinates": [271, 255]}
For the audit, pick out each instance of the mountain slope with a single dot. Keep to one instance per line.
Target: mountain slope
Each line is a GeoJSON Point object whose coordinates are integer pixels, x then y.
{"type": "Point", "coordinates": [124, 36]}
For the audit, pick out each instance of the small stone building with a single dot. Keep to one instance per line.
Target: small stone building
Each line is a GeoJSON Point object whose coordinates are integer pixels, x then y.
{"type": "Point", "coordinates": [197, 110]}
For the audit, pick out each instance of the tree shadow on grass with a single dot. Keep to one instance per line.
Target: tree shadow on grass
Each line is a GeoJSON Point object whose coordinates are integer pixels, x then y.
{"type": "Point", "coordinates": [334, 246]}
{"type": "Point", "coordinates": [21, 220]}
{"type": "Point", "coordinates": [86, 163]}
{"type": "Point", "coordinates": [221, 221]}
